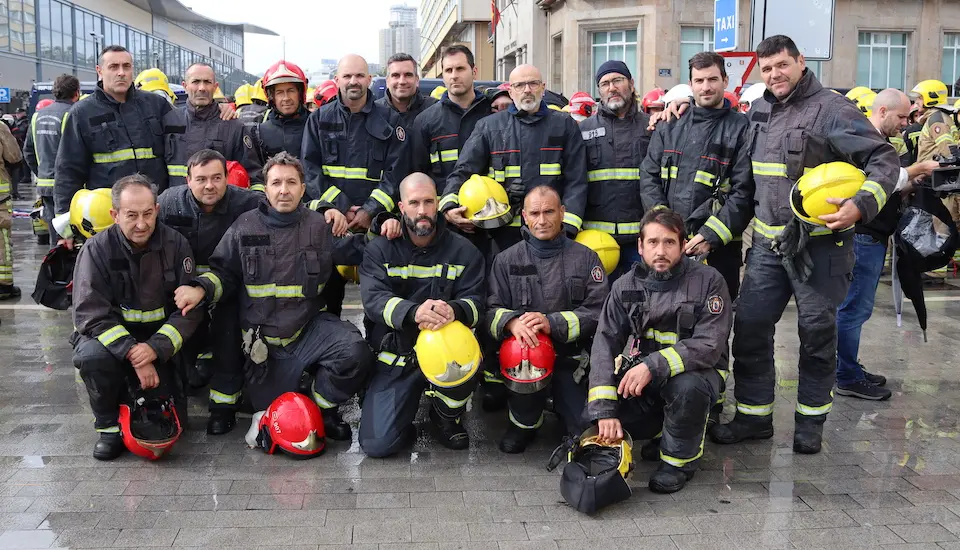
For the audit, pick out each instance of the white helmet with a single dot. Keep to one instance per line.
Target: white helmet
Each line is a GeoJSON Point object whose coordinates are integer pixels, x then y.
{"type": "Point", "coordinates": [677, 92]}
{"type": "Point", "coordinates": [753, 93]}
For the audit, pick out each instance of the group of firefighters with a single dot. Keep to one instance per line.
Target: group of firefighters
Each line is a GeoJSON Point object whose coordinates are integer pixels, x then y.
{"type": "Point", "coordinates": [591, 261]}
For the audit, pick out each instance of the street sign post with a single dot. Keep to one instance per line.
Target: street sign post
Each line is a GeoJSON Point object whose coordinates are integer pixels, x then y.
{"type": "Point", "coordinates": [4, 95]}
{"type": "Point", "coordinates": [739, 65]}
{"type": "Point", "coordinates": [808, 22]}
{"type": "Point", "coordinates": [726, 19]}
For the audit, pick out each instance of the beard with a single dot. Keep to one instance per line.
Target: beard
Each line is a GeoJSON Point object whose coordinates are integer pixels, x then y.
{"type": "Point", "coordinates": [616, 103]}
{"type": "Point", "coordinates": [528, 104]}
{"type": "Point", "coordinates": [420, 230]}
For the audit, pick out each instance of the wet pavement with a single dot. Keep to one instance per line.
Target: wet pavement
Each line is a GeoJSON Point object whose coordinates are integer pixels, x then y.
{"type": "Point", "coordinates": [889, 474]}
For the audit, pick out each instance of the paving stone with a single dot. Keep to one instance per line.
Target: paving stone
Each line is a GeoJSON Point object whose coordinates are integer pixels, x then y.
{"type": "Point", "coordinates": [136, 538]}
{"type": "Point", "coordinates": [27, 539]}
{"type": "Point", "coordinates": [923, 533]}
{"type": "Point", "coordinates": [380, 532]}
{"type": "Point", "coordinates": [665, 526]}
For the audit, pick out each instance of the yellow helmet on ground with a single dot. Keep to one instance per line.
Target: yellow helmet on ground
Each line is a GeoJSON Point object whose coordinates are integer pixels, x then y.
{"type": "Point", "coordinates": [90, 211]}
{"type": "Point", "coordinates": [856, 92]}
{"type": "Point", "coordinates": [837, 180]}
{"type": "Point", "coordinates": [349, 272]}
{"type": "Point", "coordinates": [865, 103]}
{"type": "Point", "coordinates": [449, 356]}
{"type": "Point", "coordinates": [256, 91]}
{"type": "Point", "coordinates": [931, 92]}
{"type": "Point", "coordinates": [596, 472]}
{"type": "Point", "coordinates": [154, 80]}
{"type": "Point", "coordinates": [604, 245]}
{"type": "Point", "coordinates": [242, 96]}
{"type": "Point", "coordinates": [486, 200]}
{"type": "Point", "coordinates": [437, 92]}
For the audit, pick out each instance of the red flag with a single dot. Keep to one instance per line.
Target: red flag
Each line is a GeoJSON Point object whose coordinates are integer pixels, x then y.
{"type": "Point", "coordinates": [494, 15]}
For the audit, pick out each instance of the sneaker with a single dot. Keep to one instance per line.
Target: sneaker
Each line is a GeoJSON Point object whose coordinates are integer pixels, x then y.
{"type": "Point", "coordinates": [864, 389]}
{"type": "Point", "coordinates": [875, 379]}
{"type": "Point", "coordinates": [449, 432]}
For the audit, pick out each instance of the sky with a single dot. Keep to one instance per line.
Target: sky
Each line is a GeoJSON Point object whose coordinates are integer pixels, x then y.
{"type": "Point", "coordinates": [314, 30]}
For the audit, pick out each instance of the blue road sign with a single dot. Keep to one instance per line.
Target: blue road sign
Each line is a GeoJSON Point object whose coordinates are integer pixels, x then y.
{"type": "Point", "coordinates": [725, 23]}
{"type": "Point", "coordinates": [4, 95]}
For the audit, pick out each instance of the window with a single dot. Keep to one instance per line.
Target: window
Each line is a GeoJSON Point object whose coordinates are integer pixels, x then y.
{"type": "Point", "coordinates": [619, 45]}
{"type": "Point", "coordinates": [88, 27]}
{"type": "Point", "coordinates": [556, 82]}
{"type": "Point", "coordinates": [113, 34]}
{"type": "Point", "coordinates": [138, 49]}
{"type": "Point", "coordinates": [950, 60]}
{"type": "Point", "coordinates": [4, 26]}
{"type": "Point", "coordinates": [693, 40]}
{"type": "Point", "coordinates": [882, 59]}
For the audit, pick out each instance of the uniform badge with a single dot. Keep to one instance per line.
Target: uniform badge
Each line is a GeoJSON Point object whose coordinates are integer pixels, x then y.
{"type": "Point", "coordinates": [597, 274]}
{"type": "Point", "coordinates": [715, 304]}
{"type": "Point", "coordinates": [248, 142]}
{"type": "Point", "coordinates": [937, 129]}
{"type": "Point", "coordinates": [188, 265]}
{"type": "Point", "coordinates": [401, 134]}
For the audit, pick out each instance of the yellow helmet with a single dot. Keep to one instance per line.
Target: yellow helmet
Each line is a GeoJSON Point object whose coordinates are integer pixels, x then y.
{"type": "Point", "coordinates": [865, 103]}
{"type": "Point", "coordinates": [856, 92]}
{"type": "Point", "coordinates": [154, 80]}
{"type": "Point", "coordinates": [349, 272]}
{"type": "Point", "coordinates": [486, 200]}
{"type": "Point", "coordinates": [90, 211]}
{"type": "Point", "coordinates": [242, 96]}
{"type": "Point", "coordinates": [931, 92]}
{"type": "Point", "coordinates": [449, 356]}
{"type": "Point", "coordinates": [837, 180]}
{"type": "Point", "coordinates": [591, 437]}
{"type": "Point", "coordinates": [256, 91]}
{"type": "Point", "coordinates": [604, 245]}
{"type": "Point", "coordinates": [437, 92]}
{"type": "Point", "coordinates": [310, 98]}
{"type": "Point", "coordinates": [555, 107]}
{"type": "Point", "coordinates": [956, 105]}
{"type": "Point", "coordinates": [218, 94]}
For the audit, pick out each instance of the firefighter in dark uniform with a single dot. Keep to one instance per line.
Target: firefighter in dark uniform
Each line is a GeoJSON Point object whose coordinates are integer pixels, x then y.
{"type": "Point", "coordinates": [202, 211]}
{"type": "Point", "coordinates": [426, 279]}
{"type": "Point", "coordinates": [277, 259]}
{"type": "Point", "coordinates": [616, 141]}
{"type": "Point", "coordinates": [281, 126]}
{"type": "Point", "coordinates": [552, 285]}
{"type": "Point", "coordinates": [699, 166]}
{"type": "Point", "coordinates": [43, 140]}
{"type": "Point", "coordinates": [197, 125]}
{"type": "Point", "coordinates": [252, 113]}
{"type": "Point", "coordinates": [402, 94]}
{"type": "Point", "coordinates": [124, 312]}
{"type": "Point", "coordinates": [673, 316]}
{"type": "Point", "coordinates": [799, 125]}
{"type": "Point", "coordinates": [115, 132]}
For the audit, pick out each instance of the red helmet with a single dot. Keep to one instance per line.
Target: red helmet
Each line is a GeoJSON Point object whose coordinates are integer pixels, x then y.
{"type": "Point", "coordinates": [505, 87]}
{"type": "Point", "coordinates": [237, 174]}
{"type": "Point", "coordinates": [44, 103]}
{"type": "Point", "coordinates": [294, 424]}
{"type": "Point", "coordinates": [149, 427]}
{"type": "Point", "coordinates": [582, 104]}
{"type": "Point", "coordinates": [652, 99]}
{"type": "Point", "coordinates": [282, 72]}
{"type": "Point", "coordinates": [733, 99]}
{"type": "Point", "coordinates": [527, 370]}
{"type": "Point", "coordinates": [325, 93]}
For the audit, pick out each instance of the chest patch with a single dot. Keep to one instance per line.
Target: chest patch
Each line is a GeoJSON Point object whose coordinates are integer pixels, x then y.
{"type": "Point", "coordinates": [597, 274]}
{"type": "Point", "coordinates": [401, 134]}
{"type": "Point", "coordinates": [715, 304]}
{"type": "Point", "coordinates": [247, 142]}
{"type": "Point", "coordinates": [595, 133]}
{"type": "Point", "coordinates": [188, 265]}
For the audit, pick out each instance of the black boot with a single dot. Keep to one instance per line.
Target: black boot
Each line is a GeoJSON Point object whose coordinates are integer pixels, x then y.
{"type": "Point", "coordinates": [807, 438]}
{"type": "Point", "coordinates": [448, 431]}
{"type": "Point", "coordinates": [516, 439]}
{"type": "Point", "coordinates": [334, 425]}
{"type": "Point", "coordinates": [650, 451]}
{"type": "Point", "coordinates": [221, 421]}
{"type": "Point", "coordinates": [109, 446]}
{"type": "Point", "coordinates": [43, 239]}
{"type": "Point", "coordinates": [493, 396]}
{"type": "Point", "coordinates": [9, 292]}
{"type": "Point", "coordinates": [741, 428]}
{"type": "Point", "coordinates": [714, 417]}
{"type": "Point", "coordinates": [669, 479]}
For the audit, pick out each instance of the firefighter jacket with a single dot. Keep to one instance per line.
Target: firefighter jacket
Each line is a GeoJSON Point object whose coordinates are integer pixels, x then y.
{"type": "Point", "coordinates": [189, 129]}
{"type": "Point", "coordinates": [615, 149]}
{"type": "Point", "coordinates": [675, 325]}
{"type": "Point", "coordinates": [355, 159]}
{"type": "Point", "coordinates": [440, 132]}
{"type": "Point", "coordinates": [911, 137]}
{"type": "Point", "coordinates": [524, 150]}
{"type": "Point", "coordinates": [699, 166]}
{"type": "Point", "coordinates": [124, 295]}
{"type": "Point", "coordinates": [938, 133]}
{"type": "Point", "coordinates": [418, 105]}
{"type": "Point", "coordinates": [561, 278]}
{"type": "Point", "coordinates": [11, 155]}
{"type": "Point", "coordinates": [813, 126]}
{"type": "Point", "coordinates": [43, 139]}
{"type": "Point", "coordinates": [277, 132]}
{"type": "Point", "coordinates": [251, 115]}
{"type": "Point", "coordinates": [105, 140]}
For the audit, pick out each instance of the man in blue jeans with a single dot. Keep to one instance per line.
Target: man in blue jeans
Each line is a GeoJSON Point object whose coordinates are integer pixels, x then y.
{"type": "Point", "coordinates": [891, 109]}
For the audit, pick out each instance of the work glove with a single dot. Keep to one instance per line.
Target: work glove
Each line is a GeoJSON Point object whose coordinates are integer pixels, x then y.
{"type": "Point", "coordinates": [791, 246]}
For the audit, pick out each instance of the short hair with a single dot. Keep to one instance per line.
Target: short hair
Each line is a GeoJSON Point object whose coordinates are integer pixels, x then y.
{"type": "Point", "coordinates": [665, 217]}
{"type": "Point", "coordinates": [200, 64]}
{"type": "Point", "coordinates": [205, 156]}
{"type": "Point", "coordinates": [126, 182]}
{"type": "Point", "coordinates": [111, 48]}
{"type": "Point", "coordinates": [772, 45]}
{"type": "Point", "coordinates": [402, 58]}
{"type": "Point", "coordinates": [545, 190]}
{"type": "Point", "coordinates": [66, 86]}
{"type": "Point", "coordinates": [454, 50]}
{"type": "Point", "coordinates": [282, 158]}
{"type": "Point", "coordinates": [705, 60]}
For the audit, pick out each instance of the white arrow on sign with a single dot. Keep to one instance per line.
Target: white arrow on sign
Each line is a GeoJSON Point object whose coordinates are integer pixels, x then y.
{"type": "Point", "coordinates": [724, 39]}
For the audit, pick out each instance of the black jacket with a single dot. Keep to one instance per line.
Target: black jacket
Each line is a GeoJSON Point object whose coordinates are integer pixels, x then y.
{"type": "Point", "coordinates": [43, 141]}
{"type": "Point", "coordinates": [277, 132]}
{"type": "Point", "coordinates": [420, 103]}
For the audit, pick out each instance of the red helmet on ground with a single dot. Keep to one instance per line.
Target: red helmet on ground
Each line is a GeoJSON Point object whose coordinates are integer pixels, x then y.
{"type": "Point", "coordinates": [237, 174]}
{"type": "Point", "coordinates": [283, 72]}
{"type": "Point", "coordinates": [293, 424]}
{"type": "Point", "coordinates": [652, 100]}
{"type": "Point", "coordinates": [582, 103]}
{"type": "Point", "coordinates": [527, 370]}
{"type": "Point", "coordinates": [44, 103]}
{"type": "Point", "coordinates": [149, 427]}
{"type": "Point", "coordinates": [325, 93]}
{"type": "Point", "coordinates": [733, 99]}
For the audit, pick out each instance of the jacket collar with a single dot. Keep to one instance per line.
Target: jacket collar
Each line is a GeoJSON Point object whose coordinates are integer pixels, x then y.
{"type": "Point", "coordinates": [529, 117]}
{"type": "Point", "coordinates": [806, 87]}
{"type": "Point", "coordinates": [274, 114]}
{"type": "Point", "coordinates": [207, 112]}
{"type": "Point", "coordinates": [104, 96]}
{"type": "Point", "coordinates": [415, 104]}
{"type": "Point", "coordinates": [632, 111]}
{"type": "Point", "coordinates": [478, 98]}
{"type": "Point", "coordinates": [367, 107]}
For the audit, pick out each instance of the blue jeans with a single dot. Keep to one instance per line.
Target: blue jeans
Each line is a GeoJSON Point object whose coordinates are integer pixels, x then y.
{"type": "Point", "coordinates": [858, 306]}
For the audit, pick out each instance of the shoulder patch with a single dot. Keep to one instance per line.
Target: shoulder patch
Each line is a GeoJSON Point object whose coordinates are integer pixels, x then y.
{"type": "Point", "coordinates": [247, 142]}
{"type": "Point", "coordinates": [595, 133]}
{"type": "Point", "coordinates": [937, 127]}
{"type": "Point", "coordinates": [715, 304]}
{"type": "Point", "coordinates": [188, 265]}
{"type": "Point", "coordinates": [401, 133]}
{"type": "Point", "coordinates": [597, 274]}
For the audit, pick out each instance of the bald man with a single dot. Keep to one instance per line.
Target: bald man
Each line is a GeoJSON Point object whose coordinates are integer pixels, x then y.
{"type": "Point", "coordinates": [425, 280]}
{"type": "Point", "coordinates": [354, 155]}
{"type": "Point", "coordinates": [891, 110]}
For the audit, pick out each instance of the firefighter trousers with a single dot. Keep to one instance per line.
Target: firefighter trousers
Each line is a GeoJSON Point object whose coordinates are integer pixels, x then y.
{"type": "Point", "coordinates": [221, 336]}
{"type": "Point", "coordinates": [727, 260]}
{"type": "Point", "coordinates": [6, 244]}
{"type": "Point", "coordinates": [525, 410]}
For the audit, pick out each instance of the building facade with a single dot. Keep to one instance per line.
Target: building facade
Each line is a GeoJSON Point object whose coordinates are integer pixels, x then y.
{"type": "Point", "coordinates": [402, 36]}
{"type": "Point", "coordinates": [41, 39]}
{"type": "Point", "coordinates": [445, 23]}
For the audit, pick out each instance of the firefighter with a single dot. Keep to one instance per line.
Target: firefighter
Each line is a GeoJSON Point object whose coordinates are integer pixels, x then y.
{"type": "Point", "coordinates": [809, 127]}
{"type": "Point", "coordinates": [429, 279]}
{"type": "Point", "coordinates": [11, 156]}
{"type": "Point", "coordinates": [403, 94]}
{"type": "Point", "coordinates": [281, 127]}
{"type": "Point", "coordinates": [252, 113]}
{"type": "Point", "coordinates": [202, 211]}
{"type": "Point", "coordinates": [939, 131]}
{"type": "Point", "coordinates": [616, 141]}
{"type": "Point", "coordinates": [546, 285]}
{"type": "Point", "coordinates": [672, 315]}
{"type": "Point", "coordinates": [43, 139]}
{"type": "Point", "coordinates": [277, 259]}
{"type": "Point", "coordinates": [116, 132]}
{"type": "Point", "coordinates": [128, 329]}
{"type": "Point", "coordinates": [197, 126]}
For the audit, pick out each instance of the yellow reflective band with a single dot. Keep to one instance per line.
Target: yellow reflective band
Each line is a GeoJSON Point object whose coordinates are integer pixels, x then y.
{"type": "Point", "coordinates": [473, 310]}
{"type": "Point", "coordinates": [772, 231]}
{"type": "Point", "coordinates": [552, 169]}
{"type": "Point", "coordinates": [755, 410]}
{"type": "Point", "coordinates": [513, 171]}
{"type": "Point", "coordinates": [257, 187]}
{"type": "Point", "coordinates": [449, 402]}
{"type": "Point", "coordinates": [603, 174]}
{"type": "Point", "coordinates": [670, 172]}
{"type": "Point", "coordinates": [491, 378]}
{"type": "Point", "coordinates": [452, 198]}
{"type": "Point", "coordinates": [109, 430]}
{"type": "Point", "coordinates": [681, 462]}
{"type": "Point", "coordinates": [572, 219]}
{"type": "Point", "coordinates": [201, 269]}
{"type": "Point", "coordinates": [877, 191]}
{"type": "Point", "coordinates": [322, 402]}
{"type": "Point", "coordinates": [434, 158]}
{"type": "Point", "coordinates": [806, 410]}
{"type": "Point", "coordinates": [945, 138]}
{"type": "Point", "coordinates": [424, 272]}
{"type": "Point", "coordinates": [123, 155]}
{"type": "Point", "coordinates": [217, 285]}
{"type": "Point", "coordinates": [449, 155]}
{"type": "Point", "coordinates": [173, 334]}
{"type": "Point", "coordinates": [705, 178]}
{"type": "Point", "coordinates": [111, 335]}
{"type": "Point", "coordinates": [314, 204]}
{"type": "Point", "coordinates": [769, 169]}
{"type": "Point", "coordinates": [496, 319]}
{"type": "Point", "coordinates": [498, 175]}
{"type": "Point", "coordinates": [602, 392]}
{"type": "Point", "coordinates": [174, 170]}
{"type": "Point", "coordinates": [140, 316]}
{"type": "Point", "coordinates": [207, 355]}
{"type": "Point", "coordinates": [713, 223]}
{"type": "Point", "coordinates": [345, 173]}
{"type": "Point", "coordinates": [515, 222]}
{"type": "Point", "coordinates": [391, 359]}
{"type": "Point", "coordinates": [625, 228]}
{"type": "Point", "coordinates": [664, 337]}
{"type": "Point", "coordinates": [272, 290]}
{"type": "Point", "coordinates": [673, 359]}
{"type": "Point", "coordinates": [44, 182]}
{"type": "Point", "coordinates": [513, 419]}
{"type": "Point", "coordinates": [283, 342]}
{"type": "Point", "coordinates": [33, 130]}
{"type": "Point", "coordinates": [383, 199]}
{"type": "Point", "coordinates": [573, 325]}
{"type": "Point", "coordinates": [724, 374]}
{"type": "Point", "coordinates": [392, 304]}
{"type": "Point", "coordinates": [224, 398]}
{"type": "Point", "coordinates": [330, 194]}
